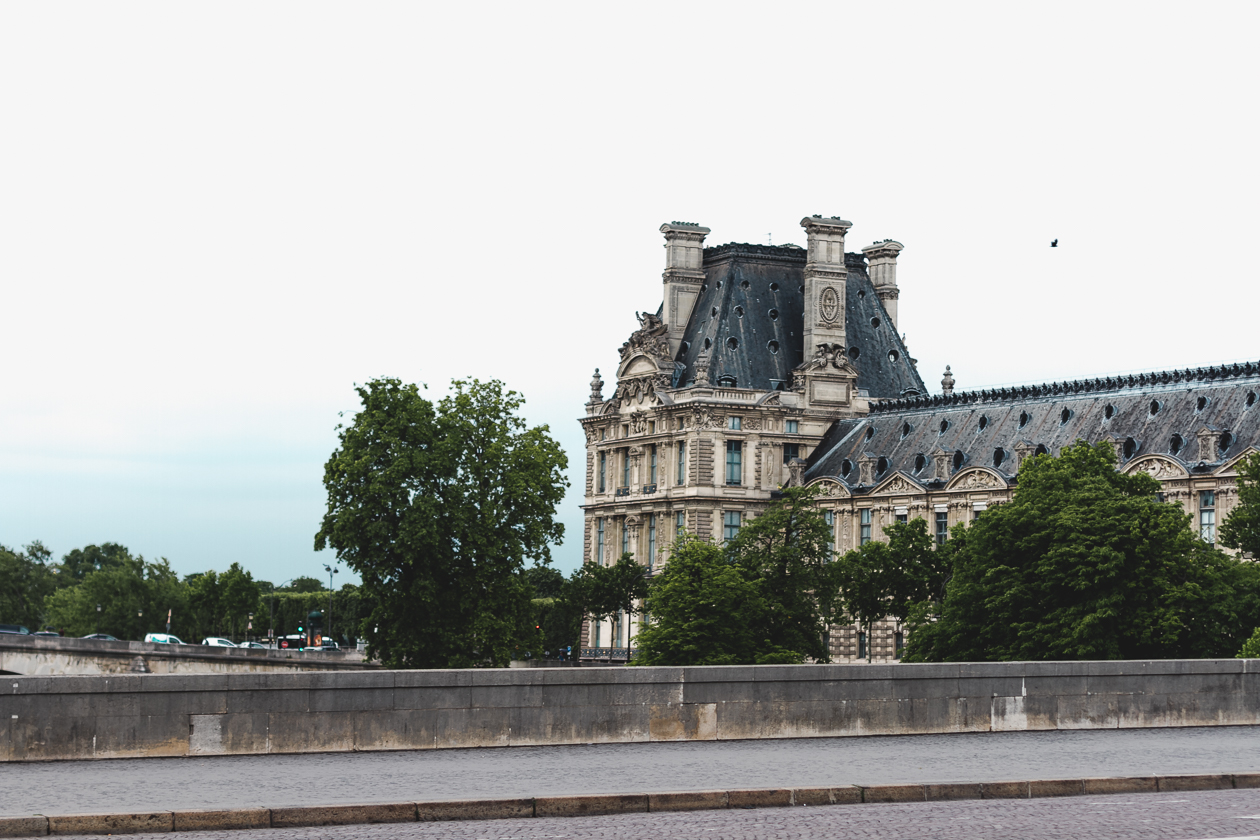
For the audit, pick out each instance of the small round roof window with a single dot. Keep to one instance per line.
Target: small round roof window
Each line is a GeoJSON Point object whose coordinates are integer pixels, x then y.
{"type": "Point", "coordinates": [905, 430]}
{"type": "Point", "coordinates": [744, 285]}
{"type": "Point", "coordinates": [773, 347]}
{"type": "Point", "coordinates": [1065, 415]}
{"type": "Point", "coordinates": [1175, 444]}
{"type": "Point", "coordinates": [708, 342]}
{"type": "Point", "coordinates": [1109, 412]}
{"type": "Point", "coordinates": [774, 314]}
{"type": "Point", "coordinates": [1130, 446]}
{"type": "Point", "coordinates": [1155, 407]}
{"type": "Point", "coordinates": [854, 352]}
{"type": "Point", "coordinates": [739, 312]}
{"type": "Point", "coordinates": [1200, 404]}
{"type": "Point", "coordinates": [944, 426]}
{"type": "Point", "coordinates": [959, 458]}
{"type": "Point", "coordinates": [1251, 398]}
{"type": "Point", "coordinates": [846, 467]}
{"type": "Point", "coordinates": [1023, 419]}
{"type": "Point", "coordinates": [893, 355]}
{"type": "Point", "coordinates": [774, 287]}
{"type": "Point", "coordinates": [713, 312]}
{"type": "Point", "coordinates": [874, 322]}
{"type": "Point", "coordinates": [870, 432]}
{"type": "Point", "coordinates": [732, 342]}
{"type": "Point", "coordinates": [881, 466]}
{"type": "Point", "coordinates": [919, 462]}
{"type": "Point", "coordinates": [984, 422]}
{"type": "Point", "coordinates": [999, 455]}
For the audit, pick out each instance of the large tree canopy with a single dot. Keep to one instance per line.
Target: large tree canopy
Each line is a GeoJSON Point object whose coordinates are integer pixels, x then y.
{"type": "Point", "coordinates": [1241, 529]}
{"type": "Point", "coordinates": [1084, 563]}
{"type": "Point", "coordinates": [437, 507]}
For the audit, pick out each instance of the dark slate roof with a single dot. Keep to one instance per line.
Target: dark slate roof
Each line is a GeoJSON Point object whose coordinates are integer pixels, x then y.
{"type": "Point", "coordinates": [1142, 412]}
{"type": "Point", "coordinates": [753, 299]}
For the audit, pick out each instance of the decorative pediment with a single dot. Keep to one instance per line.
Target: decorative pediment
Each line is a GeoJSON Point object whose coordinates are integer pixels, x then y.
{"type": "Point", "coordinates": [897, 485]}
{"type": "Point", "coordinates": [977, 478]}
{"type": "Point", "coordinates": [830, 489]}
{"type": "Point", "coordinates": [1231, 466]}
{"type": "Point", "coordinates": [646, 352]}
{"type": "Point", "coordinates": [1157, 467]}
{"type": "Point", "coordinates": [640, 364]}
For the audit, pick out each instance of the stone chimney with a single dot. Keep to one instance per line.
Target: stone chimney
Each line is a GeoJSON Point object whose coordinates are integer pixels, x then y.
{"type": "Point", "coordinates": [881, 265]}
{"type": "Point", "coordinates": [947, 382]}
{"type": "Point", "coordinates": [684, 273]}
{"type": "Point", "coordinates": [825, 278]}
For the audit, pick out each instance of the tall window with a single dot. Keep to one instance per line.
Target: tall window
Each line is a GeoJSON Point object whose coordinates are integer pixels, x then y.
{"type": "Point", "coordinates": [730, 524]}
{"type": "Point", "coordinates": [652, 466]}
{"type": "Point", "coordinates": [865, 525]}
{"type": "Point", "coordinates": [651, 540]}
{"type": "Point", "coordinates": [735, 423]}
{"type": "Point", "coordinates": [903, 517]}
{"type": "Point", "coordinates": [680, 522]}
{"type": "Point", "coordinates": [734, 466]}
{"type": "Point", "coordinates": [617, 630]}
{"type": "Point", "coordinates": [899, 643]}
{"type": "Point", "coordinates": [625, 537]}
{"type": "Point", "coordinates": [790, 451]}
{"type": "Point", "coordinates": [597, 624]}
{"type": "Point", "coordinates": [625, 468]}
{"type": "Point", "coordinates": [599, 540]}
{"type": "Point", "coordinates": [793, 427]}
{"type": "Point", "coordinates": [829, 516]}
{"type": "Point", "coordinates": [603, 469]}
{"type": "Point", "coordinates": [682, 462]}
{"type": "Point", "coordinates": [942, 527]}
{"type": "Point", "coordinates": [861, 644]}
{"type": "Point", "coordinates": [1207, 516]}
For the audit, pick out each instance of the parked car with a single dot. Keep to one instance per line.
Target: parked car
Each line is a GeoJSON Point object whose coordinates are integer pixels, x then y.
{"type": "Point", "coordinates": [217, 641]}
{"type": "Point", "coordinates": [163, 639]}
{"type": "Point", "coordinates": [254, 646]}
{"type": "Point", "coordinates": [329, 644]}
{"type": "Point", "coordinates": [100, 637]}
{"type": "Point", "coordinates": [53, 633]}
{"type": "Point", "coordinates": [14, 628]}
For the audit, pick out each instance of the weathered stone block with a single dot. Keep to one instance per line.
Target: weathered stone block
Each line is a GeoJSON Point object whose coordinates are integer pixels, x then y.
{"type": "Point", "coordinates": [590, 805]}
{"type": "Point", "coordinates": [1039, 788]}
{"type": "Point", "coordinates": [226, 820]}
{"type": "Point", "coordinates": [312, 815]}
{"type": "Point", "coordinates": [138, 823]}
{"type": "Point", "coordinates": [1196, 782]}
{"type": "Point", "coordinates": [23, 826]}
{"type": "Point", "coordinates": [687, 800]}
{"type": "Point", "coordinates": [766, 798]}
{"type": "Point", "coordinates": [894, 793]}
{"type": "Point", "coordinates": [950, 791]}
{"type": "Point", "coordinates": [1004, 790]}
{"type": "Point", "coordinates": [1135, 784]}
{"type": "Point", "coordinates": [474, 809]}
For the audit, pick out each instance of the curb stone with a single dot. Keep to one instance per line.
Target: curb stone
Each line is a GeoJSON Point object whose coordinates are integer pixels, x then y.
{"type": "Point", "coordinates": [599, 804]}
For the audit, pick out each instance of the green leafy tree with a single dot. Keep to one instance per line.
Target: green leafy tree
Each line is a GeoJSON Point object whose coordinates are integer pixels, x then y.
{"type": "Point", "coordinates": [305, 584]}
{"type": "Point", "coordinates": [1083, 563]}
{"type": "Point", "coordinates": [880, 580]}
{"type": "Point", "coordinates": [603, 591]}
{"type": "Point", "coordinates": [26, 579]}
{"type": "Point", "coordinates": [133, 595]}
{"type": "Point", "coordinates": [1241, 529]}
{"type": "Point", "coordinates": [787, 549]}
{"type": "Point", "coordinates": [705, 611]}
{"type": "Point", "coordinates": [438, 508]}
{"type": "Point", "coordinates": [81, 562]}
{"type": "Point", "coordinates": [1251, 647]}
{"type": "Point", "coordinates": [545, 581]}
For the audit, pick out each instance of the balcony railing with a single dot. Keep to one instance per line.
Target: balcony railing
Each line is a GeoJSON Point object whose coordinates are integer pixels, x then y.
{"type": "Point", "coordinates": [649, 488]}
{"type": "Point", "coordinates": [623, 491]}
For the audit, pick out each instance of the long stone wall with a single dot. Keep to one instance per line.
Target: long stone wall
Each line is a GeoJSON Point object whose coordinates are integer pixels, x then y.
{"type": "Point", "coordinates": [57, 656]}
{"type": "Point", "coordinates": [232, 714]}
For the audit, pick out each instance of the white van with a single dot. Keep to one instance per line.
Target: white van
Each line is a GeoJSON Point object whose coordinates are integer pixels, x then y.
{"type": "Point", "coordinates": [216, 641]}
{"type": "Point", "coordinates": [163, 639]}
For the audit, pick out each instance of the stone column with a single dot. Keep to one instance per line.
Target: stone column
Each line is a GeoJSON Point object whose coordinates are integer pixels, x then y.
{"type": "Point", "coordinates": [881, 265]}
{"type": "Point", "coordinates": [684, 273]}
{"type": "Point", "coordinates": [825, 278]}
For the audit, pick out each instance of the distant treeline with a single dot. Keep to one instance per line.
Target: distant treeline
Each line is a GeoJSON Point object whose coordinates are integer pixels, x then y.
{"type": "Point", "coordinates": [106, 589]}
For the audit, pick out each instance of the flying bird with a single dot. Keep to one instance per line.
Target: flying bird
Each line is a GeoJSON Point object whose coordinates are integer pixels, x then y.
{"type": "Point", "coordinates": [1054, 244]}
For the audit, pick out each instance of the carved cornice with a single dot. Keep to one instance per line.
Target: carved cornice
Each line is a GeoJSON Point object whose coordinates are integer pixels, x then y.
{"type": "Point", "coordinates": [1085, 386]}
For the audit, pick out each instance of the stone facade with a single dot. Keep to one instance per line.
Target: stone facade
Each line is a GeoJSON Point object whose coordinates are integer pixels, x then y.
{"type": "Point", "coordinates": [787, 369]}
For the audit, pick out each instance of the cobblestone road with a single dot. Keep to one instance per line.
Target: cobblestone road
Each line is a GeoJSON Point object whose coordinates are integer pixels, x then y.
{"type": "Point", "coordinates": [1185, 816]}
{"type": "Point", "coordinates": [289, 780]}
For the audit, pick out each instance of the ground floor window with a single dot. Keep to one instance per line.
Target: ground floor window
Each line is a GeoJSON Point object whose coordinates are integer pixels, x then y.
{"type": "Point", "coordinates": [730, 524]}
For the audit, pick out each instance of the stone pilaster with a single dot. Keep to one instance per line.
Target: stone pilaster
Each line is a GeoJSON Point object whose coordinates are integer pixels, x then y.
{"type": "Point", "coordinates": [825, 278]}
{"type": "Point", "coordinates": [881, 265]}
{"type": "Point", "coordinates": [683, 276]}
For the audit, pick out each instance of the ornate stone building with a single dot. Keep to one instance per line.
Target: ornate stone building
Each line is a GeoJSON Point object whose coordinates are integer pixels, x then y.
{"type": "Point", "coordinates": [771, 366]}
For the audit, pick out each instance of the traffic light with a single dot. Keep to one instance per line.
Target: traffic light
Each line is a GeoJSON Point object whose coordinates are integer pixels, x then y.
{"type": "Point", "coordinates": [299, 629]}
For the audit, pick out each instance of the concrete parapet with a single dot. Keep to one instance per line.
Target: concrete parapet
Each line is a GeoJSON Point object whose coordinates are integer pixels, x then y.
{"type": "Point", "coordinates": [148, 822]}
{"type": "Point", "coordinates": [589, 805]}
{"type": "Point", "coordinates": [314, 815]}
{"type": "Point", "coordinates": [222, 820]}
{"type": "Point", "coordinates": [474, 809]}
{"type": "Point", "coordinates": [44, 718]}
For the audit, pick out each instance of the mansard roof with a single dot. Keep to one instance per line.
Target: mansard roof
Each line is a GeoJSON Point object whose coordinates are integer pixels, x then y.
{"type": "Point", "coordinates": [750, 315]}
{"type": "Point", "coordinates": [1160, 415]}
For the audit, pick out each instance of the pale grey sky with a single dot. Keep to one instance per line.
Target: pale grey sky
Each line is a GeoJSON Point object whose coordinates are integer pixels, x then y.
{"type": "Point", "coordinates": [215, 218]}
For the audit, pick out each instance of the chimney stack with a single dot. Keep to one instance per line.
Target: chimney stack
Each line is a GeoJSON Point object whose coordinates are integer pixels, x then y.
{"type": "Point", "coordinates": [881, 265]}
{"type": "Point", "coordinates": [825, 281]}
{"type": "Point", "coordinates": [684, 273]}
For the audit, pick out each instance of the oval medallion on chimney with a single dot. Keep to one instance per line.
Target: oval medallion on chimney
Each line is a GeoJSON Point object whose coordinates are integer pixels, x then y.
{"type": "Point", "coordinates": [829, 305]}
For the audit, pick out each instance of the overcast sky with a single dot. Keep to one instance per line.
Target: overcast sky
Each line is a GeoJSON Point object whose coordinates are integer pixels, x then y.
{"type": "Point", "coordinates": [216, 218]}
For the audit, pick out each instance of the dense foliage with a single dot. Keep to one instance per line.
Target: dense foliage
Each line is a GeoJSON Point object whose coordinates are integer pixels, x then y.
{"type": "Point", "coordinates": [438, 508]}
{"type": "Point", "coordinates": [766, 597]}
{"type": "Point", "coordinates": [1241, 529]}
{"type": "Point", "coordinates": [1086, 563]}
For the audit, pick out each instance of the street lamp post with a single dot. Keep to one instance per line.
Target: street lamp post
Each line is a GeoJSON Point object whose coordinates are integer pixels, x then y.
{"type": "Point", "coordinates": [332, 570]}
{"type": "Point", "coordinates": [98, 619]}
{"type": "Point", "coordinates": [249, 628]}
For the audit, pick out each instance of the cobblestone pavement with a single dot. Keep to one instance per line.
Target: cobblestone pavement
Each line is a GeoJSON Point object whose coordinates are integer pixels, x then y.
{"type": "Point", "coordinates": [1159, 816]}
{"type": "Point", "coordinates": [329, 778]}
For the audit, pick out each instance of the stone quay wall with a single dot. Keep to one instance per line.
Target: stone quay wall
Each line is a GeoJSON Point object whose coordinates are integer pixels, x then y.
{"type": "Point", "coordinates": [235, 714]}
